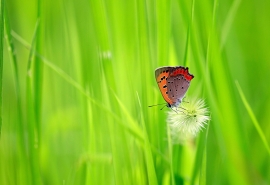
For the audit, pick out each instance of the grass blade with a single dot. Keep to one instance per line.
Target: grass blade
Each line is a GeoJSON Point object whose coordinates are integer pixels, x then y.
{"type": "Point", "coordinates": [1, 57]}
{"type": "Point", "coordinates": [32, 122]}
{"type": "Point", "coordinates": [253, 117]}
{"type": "Point", "coordinates": [152, 178]}
{"type": "Point", "coordinates": [23, 170]}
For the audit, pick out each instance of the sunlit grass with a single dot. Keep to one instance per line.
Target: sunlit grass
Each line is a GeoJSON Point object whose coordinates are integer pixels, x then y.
{"type": "Point", "coordinates": [79, 76]}
{"type": "Point", "coordinates": [1, 57]}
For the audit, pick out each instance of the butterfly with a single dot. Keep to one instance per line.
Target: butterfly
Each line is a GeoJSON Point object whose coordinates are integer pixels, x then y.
{"type": "Point", "coordinates": [173, 83]}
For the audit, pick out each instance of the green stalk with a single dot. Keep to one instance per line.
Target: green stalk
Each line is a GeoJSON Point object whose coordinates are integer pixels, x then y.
{"type": "Point", "coordinates": [187, 47]}
{"type": "Point", "coordinates": [32, 117]}
{"type": "Point", "coordinates": [253, 117]}
{"type": "Point", "coordinates": [1, 58]}
{"type": "Point", "coordinates": [38, 74]}
{"type": "Point", "coordinates": [14, 61]}
{"type": "Point", "coordinates": [170, 153]}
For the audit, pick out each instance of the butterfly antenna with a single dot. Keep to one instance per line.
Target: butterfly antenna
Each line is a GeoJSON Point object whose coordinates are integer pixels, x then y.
{"type": "Point", "coordinates": [156, 105]}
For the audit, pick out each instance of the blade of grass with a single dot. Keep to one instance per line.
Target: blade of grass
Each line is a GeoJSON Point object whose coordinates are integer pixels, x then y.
{"type": "Point", "coordinates": [202, 177]}
{"type": "Point", "coordinates": [163, 30]}
{"type": "Point", "coordinates": [199, 165]}
{"type": "Point", "coordinates": [117, 153]}
{"type": "Point", "coordinates": [1, 57]}
{"type": "Point", "coordinates": [188, 34]}
{"type": "Point", "coordinates": [228, 22]}
{"type": "Point", "coordinates": [133, 124]}
{"type": "Point", "coordinates": [170, 154]}
{"type": "Point", "coordinates": [22, 149]}
{"type": "Point", "coordinates": [37, 73]}
{"type": "Point", "coordinates": [152, 177]}
{"type": "Point", "coordinates": [252, 116]}
{"type": "Point", "coordinates": [14, 61]}
{"type": "Point", "coordinates": [31, 116]}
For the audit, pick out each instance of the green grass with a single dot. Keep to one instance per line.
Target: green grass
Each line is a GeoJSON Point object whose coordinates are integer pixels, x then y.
{"type": "Point", "coordinates": [78, 77]}
{"type": "Point", "coordinates": [1, 57]}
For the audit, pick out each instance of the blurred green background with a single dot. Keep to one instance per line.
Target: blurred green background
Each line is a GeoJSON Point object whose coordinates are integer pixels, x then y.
{"type": "Point", "coordinates": [78, 77]}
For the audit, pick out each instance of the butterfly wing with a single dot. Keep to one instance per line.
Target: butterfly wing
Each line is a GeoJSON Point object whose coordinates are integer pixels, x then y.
{"type": "Point", "coordinates": [178, 83]}
{"type": "Point", "coordinates": [162, 75]}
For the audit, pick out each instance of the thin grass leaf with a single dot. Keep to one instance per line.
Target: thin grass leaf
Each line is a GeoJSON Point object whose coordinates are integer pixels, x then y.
{"type": "Point", "coordinates": [37, 70]}
{"type": "Point", "coordinates": [21, 138]}
{"type": "Point", "coordinates": [252, 116]}
{"type": "Point", "coordinates": [32, 125]}
{"type": "Point", "coordinates": [133, 123]}
{"type": "Point", "coordinates": [228, 22]}
{"type": "Point", "coordinates": [203, 171]}
{"type": "Point", "coordinates": [163, 30]}
{"type": "Point", "coordinates": [199, 168]}
{"type": "Point", "coordinates": [1, 58]}
{"type": "Point", "coordinates": [170, 155]}
{"type": "Point", "coordinates": [14, 61]}
{"type": "Point", "coordinates": [190, 24]}
{"type": "Point", "coordinates": [152, 177]}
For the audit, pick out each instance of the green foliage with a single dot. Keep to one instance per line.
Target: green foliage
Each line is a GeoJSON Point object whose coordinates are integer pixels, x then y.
{"type": "Point", "coordinates": [79, 75]}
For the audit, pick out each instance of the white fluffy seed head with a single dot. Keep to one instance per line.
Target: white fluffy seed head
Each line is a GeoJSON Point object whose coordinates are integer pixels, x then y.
{"type": "Point", "coordinates": [187, 120]}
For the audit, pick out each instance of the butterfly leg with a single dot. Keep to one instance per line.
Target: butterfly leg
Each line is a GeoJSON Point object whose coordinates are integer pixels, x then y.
{"type": "Point", "coordinates": [163, 107]}
{"type": "Point", "coordinates": [175, 110]}
{"type": "Point", "coordinates": [184, 100]}
{"type": "Point", "coordinates": [183, 108]}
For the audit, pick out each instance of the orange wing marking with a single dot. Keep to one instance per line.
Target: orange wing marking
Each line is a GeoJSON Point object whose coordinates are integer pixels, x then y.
{"type": "Point", "coordinates": [162, 84]}
{"type": "Point", "coordinates": [182, 71]}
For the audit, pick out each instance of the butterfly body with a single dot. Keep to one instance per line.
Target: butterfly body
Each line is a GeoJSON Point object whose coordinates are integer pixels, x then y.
{"type": "Point", "coordinates": [173, 83]}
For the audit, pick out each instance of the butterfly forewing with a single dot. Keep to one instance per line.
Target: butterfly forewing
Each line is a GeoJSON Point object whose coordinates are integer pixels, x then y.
{"type": "Point", "coordinates": [161, 78]}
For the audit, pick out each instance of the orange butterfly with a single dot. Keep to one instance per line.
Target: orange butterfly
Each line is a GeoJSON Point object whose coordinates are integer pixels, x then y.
{"type": "Point", "coordinates": [173, 83]}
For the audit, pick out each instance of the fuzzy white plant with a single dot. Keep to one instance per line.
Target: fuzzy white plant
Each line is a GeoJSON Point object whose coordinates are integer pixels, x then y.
{"type": "Point", "coordinates": [187, 120]}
